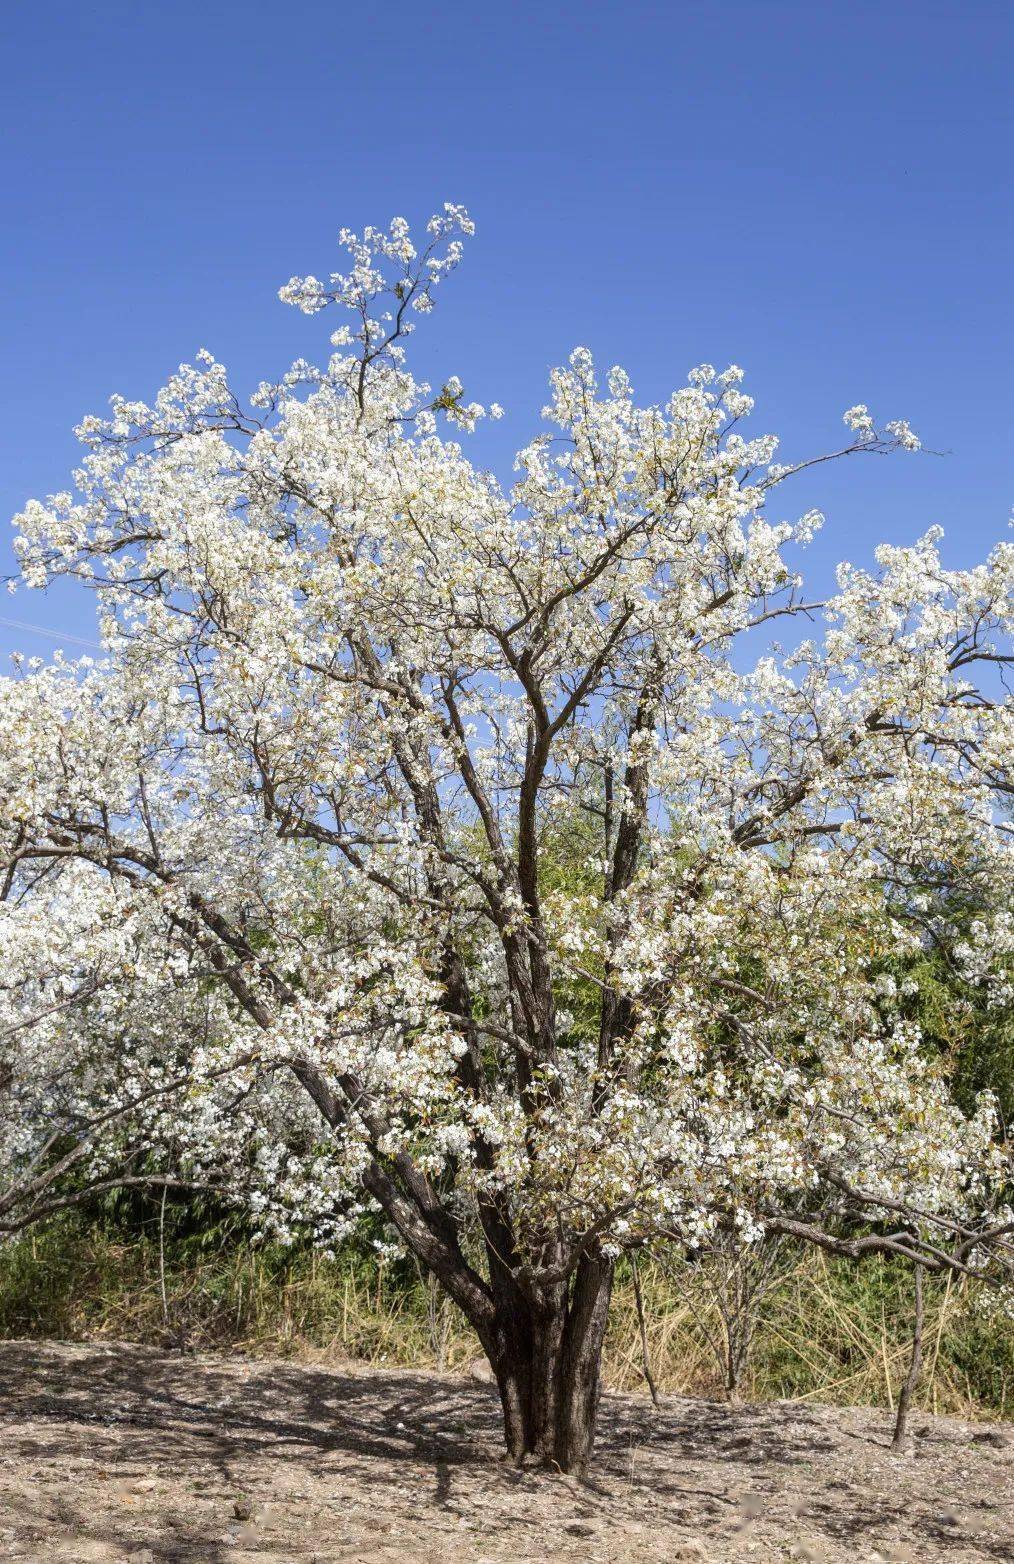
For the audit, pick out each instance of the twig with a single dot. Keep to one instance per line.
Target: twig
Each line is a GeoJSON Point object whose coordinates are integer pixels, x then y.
{"type": "Point", "coordinates": [645, 1356]}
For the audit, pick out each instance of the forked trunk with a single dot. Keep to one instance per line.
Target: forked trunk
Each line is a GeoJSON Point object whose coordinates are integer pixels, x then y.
{"type": "Point", "coordinates": [547, 1362]}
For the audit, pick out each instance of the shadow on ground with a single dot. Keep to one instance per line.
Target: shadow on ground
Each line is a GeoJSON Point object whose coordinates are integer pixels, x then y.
{"type": "Point", "coordinates": [117, 1452]}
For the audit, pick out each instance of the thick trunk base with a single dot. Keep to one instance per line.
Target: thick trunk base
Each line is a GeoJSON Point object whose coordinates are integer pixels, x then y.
{"type": "Point", "coordinates": [548, 1371]}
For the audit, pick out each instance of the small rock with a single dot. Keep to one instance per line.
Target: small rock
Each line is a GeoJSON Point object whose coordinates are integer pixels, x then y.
{"type": "Point", "coordinates": [994, 1437]}
{"type": "Point", "coordinates": [242, 1508]}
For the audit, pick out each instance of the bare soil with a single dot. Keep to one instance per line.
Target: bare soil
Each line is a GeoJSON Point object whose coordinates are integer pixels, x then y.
{"type": "Point", "coordinates": [121, 1452]}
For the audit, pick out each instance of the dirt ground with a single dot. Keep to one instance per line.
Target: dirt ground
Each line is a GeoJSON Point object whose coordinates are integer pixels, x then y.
{"type": "Point", "coordinates": [117, 1453]}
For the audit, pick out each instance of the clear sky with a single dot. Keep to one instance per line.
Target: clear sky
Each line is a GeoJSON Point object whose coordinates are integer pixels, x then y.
{"type": "Point", "coordinates": [819, 192]}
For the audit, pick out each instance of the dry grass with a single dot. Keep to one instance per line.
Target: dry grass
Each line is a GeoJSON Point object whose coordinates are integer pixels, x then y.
{"type": "Point", "coordinates": [826, 1332]}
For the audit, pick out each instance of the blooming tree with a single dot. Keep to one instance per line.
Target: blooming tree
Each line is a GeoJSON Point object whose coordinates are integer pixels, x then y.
{"type": "Point", "coordinates": [360, 702]}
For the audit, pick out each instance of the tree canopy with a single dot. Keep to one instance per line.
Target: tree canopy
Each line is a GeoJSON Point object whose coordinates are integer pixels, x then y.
{"type": "Point", "coordinates": [527, 889]}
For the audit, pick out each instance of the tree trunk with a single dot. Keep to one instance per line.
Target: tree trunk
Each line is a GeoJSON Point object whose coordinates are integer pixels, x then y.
{"type": "Point", "coordinates": [547, 1362]}
{"type": "Point", "coordinates": [545, 1349]}
{"type": "Point", "coordinates": [900, 1442]}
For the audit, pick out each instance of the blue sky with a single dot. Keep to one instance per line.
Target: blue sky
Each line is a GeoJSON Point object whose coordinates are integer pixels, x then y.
{"type": "Point", "coordinates": [820, 193]}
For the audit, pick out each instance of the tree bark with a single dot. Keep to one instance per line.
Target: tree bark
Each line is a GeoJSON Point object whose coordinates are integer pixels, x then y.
{"type": "Point", "coordinates": [547, 1361]}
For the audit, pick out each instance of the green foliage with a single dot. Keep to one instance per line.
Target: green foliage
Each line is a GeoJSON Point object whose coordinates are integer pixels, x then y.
{"type": "Point", "coordinates": [959, 1022]}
